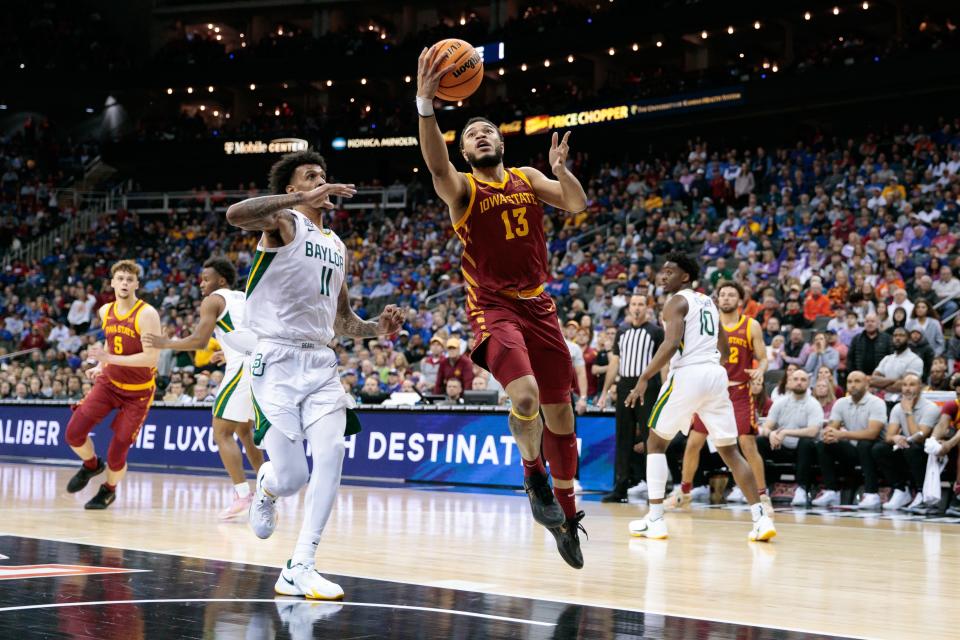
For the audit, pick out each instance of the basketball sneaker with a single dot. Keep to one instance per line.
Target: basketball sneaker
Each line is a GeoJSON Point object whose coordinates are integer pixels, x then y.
{"type": "Point", "coordinates": [736, 496]}
{"type": "Point", "coordinates": [237, 507]}
{"type": "Point", "coordinates": [678, 500]}
{"type": "Point", "coordinates": [638, 490]}
{"type": "Point", "coordinates": [303, 580]}
{"type": "Point", "coordinates": [102, 500]}
{"type": "Point", "coordinates": [828, 498]}
{"type": "Point", "coordinates": [700, 494]}
{"type": "Point", "coordinates": [767, 504]}
{"type": "Point", "coordinates": [869, 502]}
{"type": "Point", "coordinates": [646, 528]}
{"type": "Point", "coordinates": [568, 540]}
{"type": "Point", "coordinates": [897, 501]}
{"type": "Point", "coordinates": [82, 477]}
{"type": "Point", "coordinates": [763, 529]}
{"type": "Point", "coordinates": [545, 509]}
{"type": "Point", "coordinates": [263, 509]}
{"type": "Point", "coordinates": [799, 497]}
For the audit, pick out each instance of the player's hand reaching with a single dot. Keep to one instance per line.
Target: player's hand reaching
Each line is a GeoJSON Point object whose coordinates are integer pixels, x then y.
{"type": "Point", "coordinates": [154, 341]}
{"type": "Point", "coordinates": [218, 358]}
{"type": "Point", "coordinates": [93, 373]}
{"type": "Point", "coordinates": [319, 198]}
{"type": "Point", "coordinates": [390, 320]}
{"type": "Point", "coordinates": [756, 375]}
{"type": "Point", "coordinates": [429, 72]}
{"type": "Point", "coordinates": [558, 153]}
{"type": "Point", "coordinates": [636, 394]}
{"type": "Point", "coordinates": [98, 353]}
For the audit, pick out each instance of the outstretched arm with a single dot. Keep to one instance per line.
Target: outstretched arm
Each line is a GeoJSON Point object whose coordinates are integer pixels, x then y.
{"type": "Point", "coordinates": [347, 323]}
{"type": "Point", "coordinates": [211, 307]}
{"type": "Point", "coordinates": [450, 184]}
{"type": "Point", "coordinates": [673, 315]}
{"type": "Point", "coordinates": [269, 213]}
{"type": "Point", "coordinates": [565, 192]}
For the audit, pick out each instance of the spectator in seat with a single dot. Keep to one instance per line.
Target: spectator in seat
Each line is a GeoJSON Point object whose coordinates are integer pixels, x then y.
{"type": "Point", "coordinates": [430, 365]}
{"type": "Point", "coordinates": [918, 344]}
{"type": "Point", "coordinates": [454, 390]}
{"type": "Point", "coordinates": [455, 365]}
{"type": "Point", "coordinates": [898, 320]}
{"type": "Point", "coordinates": [855, 425]}
{"type": "Point", "coordinates": [900, 457]}
{"type": "Point", "coordinates": [924, 291]}
{"type": "Point", "coordinates": [822, 355]}
{"type": "Point", "coordinates": [947, 288]}
{"type": "Point", "coordinates": [793, 315]}
{"type": "Point", "coordinates": [371, 392]}
{"type": "Point", "coordinates": [816, 303]}
{"type": "Point", "coordinates": [952, 352]}
{"type": "Point", "coordinates": [888, 375]}
{"type": "Point", "coordinates": [771, 329]}
{"type": "Point", "coordinates": [900, 301]}
{"type": "Point", "coordinates": [796, 350]}
{"type": "Point", "coordinates": [175, 394]}
{"type": "Point", "coordinates": [790, 433]}
{"type": "Point", "coordinates": [927, 321]}
{"type": "Point", "coordinates": [825, 393]}
{"type": "Point", "coordinates": [775, 353]}
{"type": "Point", "coordinates": [939, 379]}
{"type": "Point", "coordinates": [870, 347]}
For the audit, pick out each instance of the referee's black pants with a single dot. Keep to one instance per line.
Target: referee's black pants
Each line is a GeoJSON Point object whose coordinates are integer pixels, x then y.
{"type": "Point", "coordinates": [629, 466]}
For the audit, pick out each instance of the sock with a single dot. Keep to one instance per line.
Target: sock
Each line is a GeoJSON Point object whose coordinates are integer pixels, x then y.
{"type": "Point", "coordinates": [92, 463]}
{"type": "Point", "coordinates": [242, 489]}
{"type": "Point", "coordinates": [656, 511]}
{"type": "Point", "coordinates": [110, 487]}
{"type": "Point", "coordinates": [561, 453]}
{"type": "Point", "coordinates": [567, 501]}
{"type": "Point", "coordinates": [686, 487]}
{"type": "Point", "coordinates": [532, 467]}
{"type": "Point", "coordinates": [657, 473]}
{"type": "Point", "coordinates": [756, 510]}
{"type": "Point", "coordinates": [762, 491]}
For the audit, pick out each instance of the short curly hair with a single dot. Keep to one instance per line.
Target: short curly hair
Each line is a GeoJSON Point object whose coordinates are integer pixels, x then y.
{"type": "Point", "coordinates": [224, 268]}
{"type": "Point", "coordinates": [686, 263]}
{"type": "Point", "coordinates": [281, 173]}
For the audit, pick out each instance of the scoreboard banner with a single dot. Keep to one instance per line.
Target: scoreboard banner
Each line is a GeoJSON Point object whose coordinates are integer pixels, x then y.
{"type": "Point", "coordinates": [457, 447]}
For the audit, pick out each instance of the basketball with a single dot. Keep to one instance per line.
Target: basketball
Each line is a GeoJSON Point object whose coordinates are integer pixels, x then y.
{"type": "Point", "coordinates": [461, 81]}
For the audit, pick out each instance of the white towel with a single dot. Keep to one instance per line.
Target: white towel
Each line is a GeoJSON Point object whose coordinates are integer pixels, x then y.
{"type": "Point", "coordinates": [935, 465]}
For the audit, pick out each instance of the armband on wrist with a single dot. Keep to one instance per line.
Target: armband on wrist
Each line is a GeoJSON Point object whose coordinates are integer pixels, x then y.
{"type": "Point", "coordinates": [424, 107]}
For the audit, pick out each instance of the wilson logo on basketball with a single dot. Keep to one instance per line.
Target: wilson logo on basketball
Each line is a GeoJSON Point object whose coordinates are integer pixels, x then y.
{"type": "Point", "coordinates": [469, 64]}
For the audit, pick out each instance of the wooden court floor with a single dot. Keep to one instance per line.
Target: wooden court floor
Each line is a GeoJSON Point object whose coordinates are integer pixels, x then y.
{"type": "Point", "coordinates": [871, 578]}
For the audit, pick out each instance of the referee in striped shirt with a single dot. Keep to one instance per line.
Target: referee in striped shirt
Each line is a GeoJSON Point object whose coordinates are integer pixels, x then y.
{"type": "Point", "coordinates": [633, 348]}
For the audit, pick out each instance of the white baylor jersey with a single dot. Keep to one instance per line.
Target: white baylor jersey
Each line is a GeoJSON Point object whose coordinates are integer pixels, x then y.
{"type": "Point", "coordinates": [292, 290]}
{"type": "Point", "coordinates": [229, 321]}
{"type": "Point", "coordinates": [700, 329]}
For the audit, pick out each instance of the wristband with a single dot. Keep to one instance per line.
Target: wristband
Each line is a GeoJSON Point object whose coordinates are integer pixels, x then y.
{"type": "Point", "coordinates": [424, 107]}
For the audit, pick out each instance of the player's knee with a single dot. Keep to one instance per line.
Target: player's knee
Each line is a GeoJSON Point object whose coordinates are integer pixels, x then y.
{"type": "Point", "coordinates": [117, 455]}
{"type": "Point", "coordinates": [78, 428]}
{"type": "Point", "coordinates": [222, 431]}
{"type": "Point", "coordinates": [526, 403]}
{"type": "Point", "coordinates": [291, 480]}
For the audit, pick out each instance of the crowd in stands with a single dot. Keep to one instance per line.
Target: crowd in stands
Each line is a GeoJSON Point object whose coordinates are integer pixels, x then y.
{"type": "Point", "coordinates": [847, 249]}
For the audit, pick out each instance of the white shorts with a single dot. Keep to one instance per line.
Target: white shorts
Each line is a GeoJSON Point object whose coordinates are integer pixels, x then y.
{"type": "Point", "coordinates": [293, 386]}
{"type": "Point", "coordinates": [695, 389]}
{"type": "Point", "coordinates": [233, 396]}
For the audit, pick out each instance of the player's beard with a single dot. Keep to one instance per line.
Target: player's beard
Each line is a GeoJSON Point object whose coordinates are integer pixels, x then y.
{"type": "Point", "coordinates": [730, 310]}
{"type": "Point", "coordinates": [487, 161]}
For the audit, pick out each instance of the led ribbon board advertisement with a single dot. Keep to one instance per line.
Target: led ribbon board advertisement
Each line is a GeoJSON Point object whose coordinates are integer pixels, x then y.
{"type": "Point", "coordinates": [632, 111]}
{"type": "Point", "coordinates": [463, 447]}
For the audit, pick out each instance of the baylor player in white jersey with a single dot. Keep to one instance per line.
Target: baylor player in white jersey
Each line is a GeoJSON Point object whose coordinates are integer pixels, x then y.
{"type": "Point", "coordinates": [221, 313]}
{"type": "Point", "coordinates": [296, 302]}
{"type": "Point", "coordinates": [694, 344]}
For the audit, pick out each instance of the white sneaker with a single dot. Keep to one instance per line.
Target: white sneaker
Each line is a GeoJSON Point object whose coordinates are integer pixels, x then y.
{"type": "Point", "coordinates": [263, 509]}
{"type": "Point", "coordinates": [302, 580]}
{"type": "Point", "coordinates": [700, 494]}
{"type": "Point", "coordinates": [827, 499]}
{"type": "Point", "coordinates": [763, 529]}
{"type": "Point", "coordinates": [799, 497]}
{"type": "Point", "coordinates": [917, 501]}
{"type": "Point", "coordinates": [898, 500]}
{"type": "Point", "coordinates": [869, 502]}
{"type": "Point", "coordinates": [645, 528]}
{"type": "Point", "coordinates": [639, 490]}
{"type": "Point", "coordinates": [736, 496]}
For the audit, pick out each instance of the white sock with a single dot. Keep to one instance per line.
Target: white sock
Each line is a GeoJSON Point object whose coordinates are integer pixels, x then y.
{"type": "Point", "coordinates": [656, 511]}
{"type": "Point", "coordinates": [756, 510]}
{"type": "Point", "coordinates": [327, 448]}
{"type": "Point", "coordinates": [657, 472]}
{"type": "Point", "coordinates": [242, 489]}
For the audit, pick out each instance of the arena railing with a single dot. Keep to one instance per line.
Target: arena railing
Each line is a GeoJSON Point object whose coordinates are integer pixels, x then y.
{"type": "Point", "coordinates": [367, 198]}
{"type": "Point", "coordinates": [88, 204]}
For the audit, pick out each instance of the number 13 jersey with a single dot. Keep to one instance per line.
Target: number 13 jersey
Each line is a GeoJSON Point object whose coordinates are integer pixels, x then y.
{"type": "Point", "coordinates": [699, 343]}
{"type": "Point", "coordinates": [504, 247]}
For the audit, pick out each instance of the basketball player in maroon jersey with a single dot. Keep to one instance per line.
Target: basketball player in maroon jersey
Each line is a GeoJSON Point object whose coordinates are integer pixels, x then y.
{"type": "Point", "coordinates": [498, 215]}
{"type": "Point", "coordinates": [746, 345]}
{"type": "Point", "coordinates": [123, 380]}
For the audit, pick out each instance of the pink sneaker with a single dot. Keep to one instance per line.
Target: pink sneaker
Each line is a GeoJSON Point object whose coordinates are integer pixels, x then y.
{"type": "Point", "coordinates": [239, 507]}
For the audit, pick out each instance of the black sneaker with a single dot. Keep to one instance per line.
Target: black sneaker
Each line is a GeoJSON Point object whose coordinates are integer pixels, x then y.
{"type": "Point", "coordinates": [615, 496]}
{"type": "Point", "coordinates": [82, 477]}
{"type": "Point", "coordinates": [102, 500]}
{"type": "Point", "coordinates": [545, 509]}
{"type": "Point", "coordinates": [568, 540]}
{"type": "Point", "coordinates": [953, 511]}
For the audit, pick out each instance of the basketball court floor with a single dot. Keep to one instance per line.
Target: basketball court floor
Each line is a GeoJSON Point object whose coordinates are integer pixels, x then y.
{"type": "Point", "coordinates": [433, 562]}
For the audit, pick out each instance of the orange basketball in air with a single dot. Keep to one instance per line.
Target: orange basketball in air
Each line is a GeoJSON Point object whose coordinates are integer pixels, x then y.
{"type": "Point", "coordinates": [461, 81]}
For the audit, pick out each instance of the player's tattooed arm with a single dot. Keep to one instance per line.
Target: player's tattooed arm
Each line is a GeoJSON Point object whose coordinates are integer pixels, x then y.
{"type": "Point", "coordinates": [348, 323]}
{"type": "Point", "coordinates": [263, 212]}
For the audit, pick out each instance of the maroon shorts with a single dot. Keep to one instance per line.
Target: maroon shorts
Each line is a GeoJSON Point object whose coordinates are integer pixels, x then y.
{"type": "Point", "coordinates": [744, 411]}
{"type": "Point", "coordinates": [103, 398]}
{"type": "Point", "coordinates": [521, 337]}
